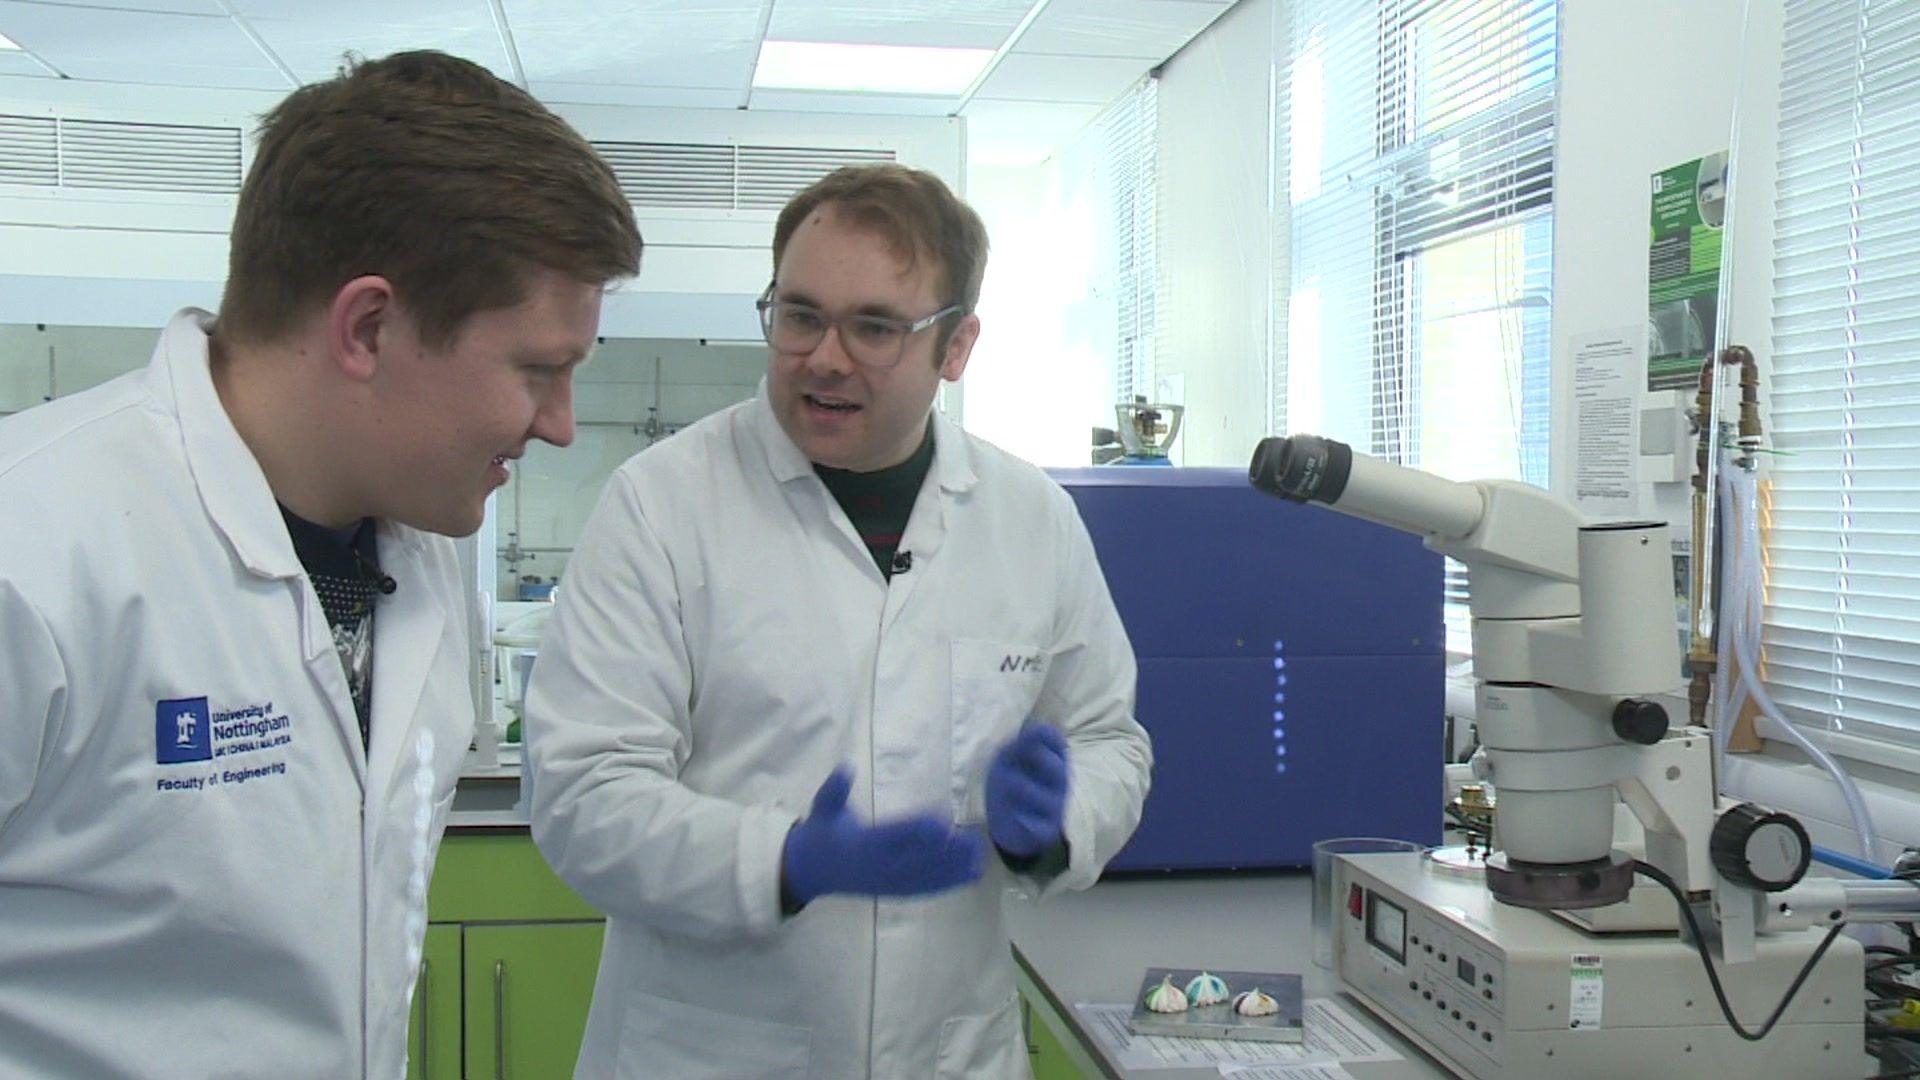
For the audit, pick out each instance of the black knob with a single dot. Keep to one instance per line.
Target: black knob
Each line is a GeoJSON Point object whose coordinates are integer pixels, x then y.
{"type": "Point", "coordinates": [1638, 720]}
{"type": "Point", "coordinates": [1760, 848]}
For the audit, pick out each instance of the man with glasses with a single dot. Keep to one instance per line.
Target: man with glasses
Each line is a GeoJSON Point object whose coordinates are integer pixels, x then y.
{"type": "Point", "coordinates": [827, 676]}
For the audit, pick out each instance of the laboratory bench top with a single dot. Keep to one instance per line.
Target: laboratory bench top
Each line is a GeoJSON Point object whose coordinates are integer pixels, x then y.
{"type": "Point", "coordinates": [489, 794]}
{"type": "Point", "coordinates": [1094, 946]}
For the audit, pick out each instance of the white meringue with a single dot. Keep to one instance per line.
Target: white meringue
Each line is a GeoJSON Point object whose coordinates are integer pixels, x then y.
{"type": "Point", "coordinates": [1166, 998]}
{"type": "Point", "coordinates": [1255, 1002]}
{"type": "Point", "coordinates": [1206, 988]}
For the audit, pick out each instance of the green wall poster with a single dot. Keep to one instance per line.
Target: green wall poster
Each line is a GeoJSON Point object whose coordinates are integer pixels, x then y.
{"type": "Point", "coordinates": [1683, 269]}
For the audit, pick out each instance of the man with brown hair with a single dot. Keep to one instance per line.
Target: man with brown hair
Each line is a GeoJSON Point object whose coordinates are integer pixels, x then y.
{"type": "Point", "coordinates": [234, 635]}
{"type": "Point", "coordinates": [828, 676]}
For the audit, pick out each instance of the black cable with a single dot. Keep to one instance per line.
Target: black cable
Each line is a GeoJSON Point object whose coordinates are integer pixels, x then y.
{"type": "Point", "coordinates": [1713, 976]}
{"type": "Point", "coordinates": [1903, 1074]}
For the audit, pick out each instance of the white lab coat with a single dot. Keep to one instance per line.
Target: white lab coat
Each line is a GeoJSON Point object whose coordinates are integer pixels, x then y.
{"type": "Point", "coordinates": [722, 641]}
{"type": "Point", "coordinates": [152, 608]}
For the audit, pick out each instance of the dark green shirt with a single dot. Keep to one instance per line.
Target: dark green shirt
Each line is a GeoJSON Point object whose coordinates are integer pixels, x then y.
{"type": "Point", "coordinates": [879, 503]}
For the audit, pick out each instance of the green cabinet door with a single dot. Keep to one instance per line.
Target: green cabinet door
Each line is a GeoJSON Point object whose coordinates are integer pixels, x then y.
{"type": "Point", "coordinates": [497, 875]}
{"type": "Point", "coordinates": [527, 991]}
{"type": "Point", "coordinates": [433, 1041]}
{"type": "Point", "coordinates": [1045, 1054]}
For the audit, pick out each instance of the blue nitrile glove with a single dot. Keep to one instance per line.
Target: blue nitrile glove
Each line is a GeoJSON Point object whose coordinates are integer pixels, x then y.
{"type": "Point", "coordinates": [833, 851]}
{"type": "Point", "coordinates": [1027, 791]}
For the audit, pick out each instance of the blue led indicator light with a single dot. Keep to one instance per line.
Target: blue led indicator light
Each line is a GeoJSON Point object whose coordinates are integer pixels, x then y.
{"type": "Point", "coordinates": [1279, 716]}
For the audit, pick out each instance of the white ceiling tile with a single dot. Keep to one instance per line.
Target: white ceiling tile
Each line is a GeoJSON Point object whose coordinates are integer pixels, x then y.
{"type": "Point", "coordinates": [176, 7]}
{"type": "Point", "coordinates": [1021, 133]}
{"type": "Point", "coordinates": [960, 24]}
{"type": "Point", "coordinates": [1152, 29]}
{"type": "Point", "coordinates": [819, 101]}
{"type": "Point", "coordinates": [314, 48]}
{"type": "Point", "coordinates": [1087, 79]}
{"type": "Point", "coordinates": [707, 45]}
{"type": "Point", "coordinates": [672, 53]}
{"type": "Point", "coordinates": [406, 12]}
{"type": "Point", "coordinates": [19, 63]}
{"type": "Point", "coordinates": [140, 47]}
{"type": "Point", "coordinates": [712, 66]}
{"type": "Point", "coordinates": [555, 92]}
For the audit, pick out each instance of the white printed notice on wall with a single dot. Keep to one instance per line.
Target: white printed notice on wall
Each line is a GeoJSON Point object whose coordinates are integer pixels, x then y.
{"type": "Point", "coordinates": [1607, 369]}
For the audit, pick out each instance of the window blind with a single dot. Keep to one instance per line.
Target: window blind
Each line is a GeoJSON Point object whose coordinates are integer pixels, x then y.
{"type": "Point", "coordinates": [1842, 631]}
{"type": "Point", "coordinates": [1416, 148]}
{"type": "Point", "coordinates": [1128, 131]}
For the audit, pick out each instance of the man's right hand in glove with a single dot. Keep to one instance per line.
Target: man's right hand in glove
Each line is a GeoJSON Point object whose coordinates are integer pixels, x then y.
{"type": "Point", "coordinates": [833, 851]}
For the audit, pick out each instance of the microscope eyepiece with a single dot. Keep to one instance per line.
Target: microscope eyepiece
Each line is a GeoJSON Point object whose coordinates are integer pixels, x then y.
{"type": "Point", "coordinates": [1301, 468]}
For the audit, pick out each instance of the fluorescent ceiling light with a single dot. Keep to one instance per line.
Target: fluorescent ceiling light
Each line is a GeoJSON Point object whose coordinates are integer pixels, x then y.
{"type": "Point", "coordinates": [871, 69]}
{"type": "Point", "coordinates": [7, 43]}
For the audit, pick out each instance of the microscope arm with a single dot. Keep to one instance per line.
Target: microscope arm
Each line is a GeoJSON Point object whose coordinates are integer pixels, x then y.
{"type": "Point", "coordinates": [1825, 901]}
{"type": "Point", "coordinates": [1571, 621]}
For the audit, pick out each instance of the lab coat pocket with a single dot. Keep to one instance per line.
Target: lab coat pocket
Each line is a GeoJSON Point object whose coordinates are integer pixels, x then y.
{"type": "Point", "coordinates": [983, 1046]}
{"type": "Point", "coordinates": [995, 685]}
{"type": "Point", "coordinates": [662, 1038]}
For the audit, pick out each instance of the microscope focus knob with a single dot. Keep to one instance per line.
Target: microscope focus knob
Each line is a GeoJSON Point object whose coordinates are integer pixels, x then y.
{"type": "Point", "coordinates": [1638, 720]}
{"type": "Point", "coordinates": [1760, 848]}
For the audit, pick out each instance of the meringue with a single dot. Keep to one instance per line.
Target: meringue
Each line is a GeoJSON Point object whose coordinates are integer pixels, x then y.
{"type": "Point", "coordinates": [1206, 988]}
{"type": "Point", "coordinates": [1255, 1002]}
{"type": "Point", "coordinates": [1166, 998]}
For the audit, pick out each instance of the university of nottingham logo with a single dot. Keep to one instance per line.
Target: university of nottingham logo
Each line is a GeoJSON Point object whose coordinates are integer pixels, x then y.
{"type": "Point", "coordinates": [182, 731]}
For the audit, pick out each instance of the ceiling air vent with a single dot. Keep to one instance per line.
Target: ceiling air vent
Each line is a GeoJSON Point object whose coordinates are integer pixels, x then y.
{"type": "Point", "coordinates": [29, 151]}
{"type": "Point", "coordinates": [672, 174]}
{"type": "Point", "coordinates": [722, 176]}
{"type": "Point", "coordinates": [149, 157]}
{"type": "Point", "coordinates": [770, 175]}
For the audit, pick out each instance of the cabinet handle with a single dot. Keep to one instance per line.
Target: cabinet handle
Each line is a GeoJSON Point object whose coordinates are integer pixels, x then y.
{"type": "Point", "coordinates": [500, 1020]}
{"type": "Point", "coordinates": [425, 994]}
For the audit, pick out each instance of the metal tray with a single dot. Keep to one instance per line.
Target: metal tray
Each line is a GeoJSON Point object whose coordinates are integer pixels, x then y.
{"type": "Point", "coordinates": [1220, 1021]}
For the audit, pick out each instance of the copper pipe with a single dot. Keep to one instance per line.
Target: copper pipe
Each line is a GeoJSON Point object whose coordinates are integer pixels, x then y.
{"type": "Point", "coordinates": [1702, 657]}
